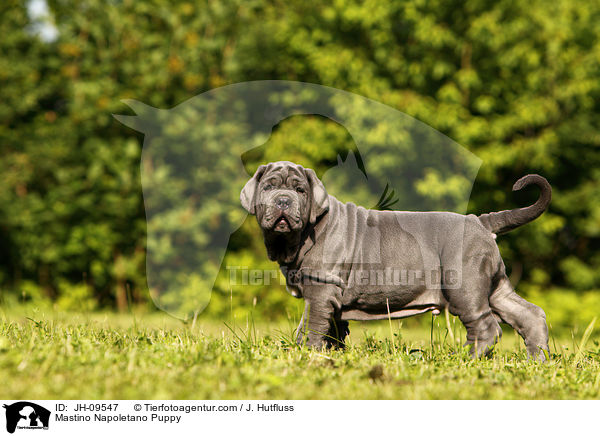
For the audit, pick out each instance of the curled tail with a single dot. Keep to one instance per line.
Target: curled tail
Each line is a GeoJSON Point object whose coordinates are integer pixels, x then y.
{"type": "Point", "coordinates": [507, 220]}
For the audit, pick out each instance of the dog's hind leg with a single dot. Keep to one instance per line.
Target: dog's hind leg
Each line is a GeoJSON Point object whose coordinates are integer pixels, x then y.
{"type": "Point", "coordinates": [526, 318]}
{"type": "Point", "coordinates": [483, 330]}
{"type": "Point", "coordinates": [469, 300]}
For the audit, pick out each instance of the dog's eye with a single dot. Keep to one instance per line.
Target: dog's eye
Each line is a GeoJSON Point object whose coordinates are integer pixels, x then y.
{"type": "Point", "coordinates": [267, 187]}
{"type": "Point", "coordinates": [300, 189]}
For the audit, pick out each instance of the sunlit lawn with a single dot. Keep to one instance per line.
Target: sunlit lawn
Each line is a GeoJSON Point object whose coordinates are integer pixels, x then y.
{"type": "Point", "coordinates": [48, 355]}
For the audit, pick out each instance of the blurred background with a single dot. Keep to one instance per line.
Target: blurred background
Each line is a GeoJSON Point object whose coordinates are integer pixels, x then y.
{"type": "Point", "coordinates": [515, 83]}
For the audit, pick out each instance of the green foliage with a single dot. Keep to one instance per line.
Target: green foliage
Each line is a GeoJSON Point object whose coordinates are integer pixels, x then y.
{"type": "Point", "coordinates": [516, 83]}
{"type": "Point", "coordinates": [77, 298]}
{"type": "Point", "coordinates": [566, 309]}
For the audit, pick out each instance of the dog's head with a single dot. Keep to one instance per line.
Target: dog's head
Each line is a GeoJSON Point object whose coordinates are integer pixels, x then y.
{"type": "Point", "coordinates": [286, 198]}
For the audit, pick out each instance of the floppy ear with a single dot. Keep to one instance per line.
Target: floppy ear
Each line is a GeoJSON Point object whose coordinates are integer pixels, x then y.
{"type": "Point", "coordinates": [320, 199]}
{"type": "Point", "coordinates": [249, 191]}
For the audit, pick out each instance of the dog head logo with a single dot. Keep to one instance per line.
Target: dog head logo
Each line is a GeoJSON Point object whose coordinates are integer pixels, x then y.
{"type": "Point", "coordinates": [192, 171]}
{"type": "Point", "coordinates": [26, 415]}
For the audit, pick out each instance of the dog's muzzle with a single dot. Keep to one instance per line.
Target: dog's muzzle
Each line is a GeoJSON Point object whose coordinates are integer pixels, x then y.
{"type": "Point", "coordinates": [283, 202]}
{"type": "Point", "coordinates": [282, 213]}
{"type": "Point", "coordinates": [282, 224]}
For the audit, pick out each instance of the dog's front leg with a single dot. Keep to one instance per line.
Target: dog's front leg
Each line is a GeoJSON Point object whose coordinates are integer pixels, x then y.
{"type": "Point", "coordinates": [321, 310]}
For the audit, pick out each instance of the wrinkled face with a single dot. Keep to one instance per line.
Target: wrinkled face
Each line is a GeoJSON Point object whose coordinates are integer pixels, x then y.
{"type": "Point", "coordinates": [285, 197]}
{"type": "Point", "coordinates": [282, 199]}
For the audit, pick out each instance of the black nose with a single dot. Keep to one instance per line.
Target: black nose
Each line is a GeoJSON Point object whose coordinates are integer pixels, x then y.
{"type": "Point", "coordinates": [283, 202]}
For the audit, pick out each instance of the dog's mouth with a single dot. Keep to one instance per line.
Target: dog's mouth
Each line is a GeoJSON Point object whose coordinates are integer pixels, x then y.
{"type": "Point", "coordinates": [282, 225]}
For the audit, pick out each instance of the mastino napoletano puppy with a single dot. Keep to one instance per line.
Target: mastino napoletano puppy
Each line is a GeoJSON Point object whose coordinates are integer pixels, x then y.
{"type": "Point", "coordinates": [351, 263]}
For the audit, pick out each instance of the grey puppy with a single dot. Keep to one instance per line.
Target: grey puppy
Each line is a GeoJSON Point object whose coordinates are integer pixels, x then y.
{"type": "Point", "coordinates": [351, 263]}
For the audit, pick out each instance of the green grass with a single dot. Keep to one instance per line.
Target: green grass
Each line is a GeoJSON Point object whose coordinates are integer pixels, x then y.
{"type": "Point", "coordinates": [110, 356]}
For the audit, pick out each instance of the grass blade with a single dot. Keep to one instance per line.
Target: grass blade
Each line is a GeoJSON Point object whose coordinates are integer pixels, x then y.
{"type": "Point", "coordinates": [586, 336]}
